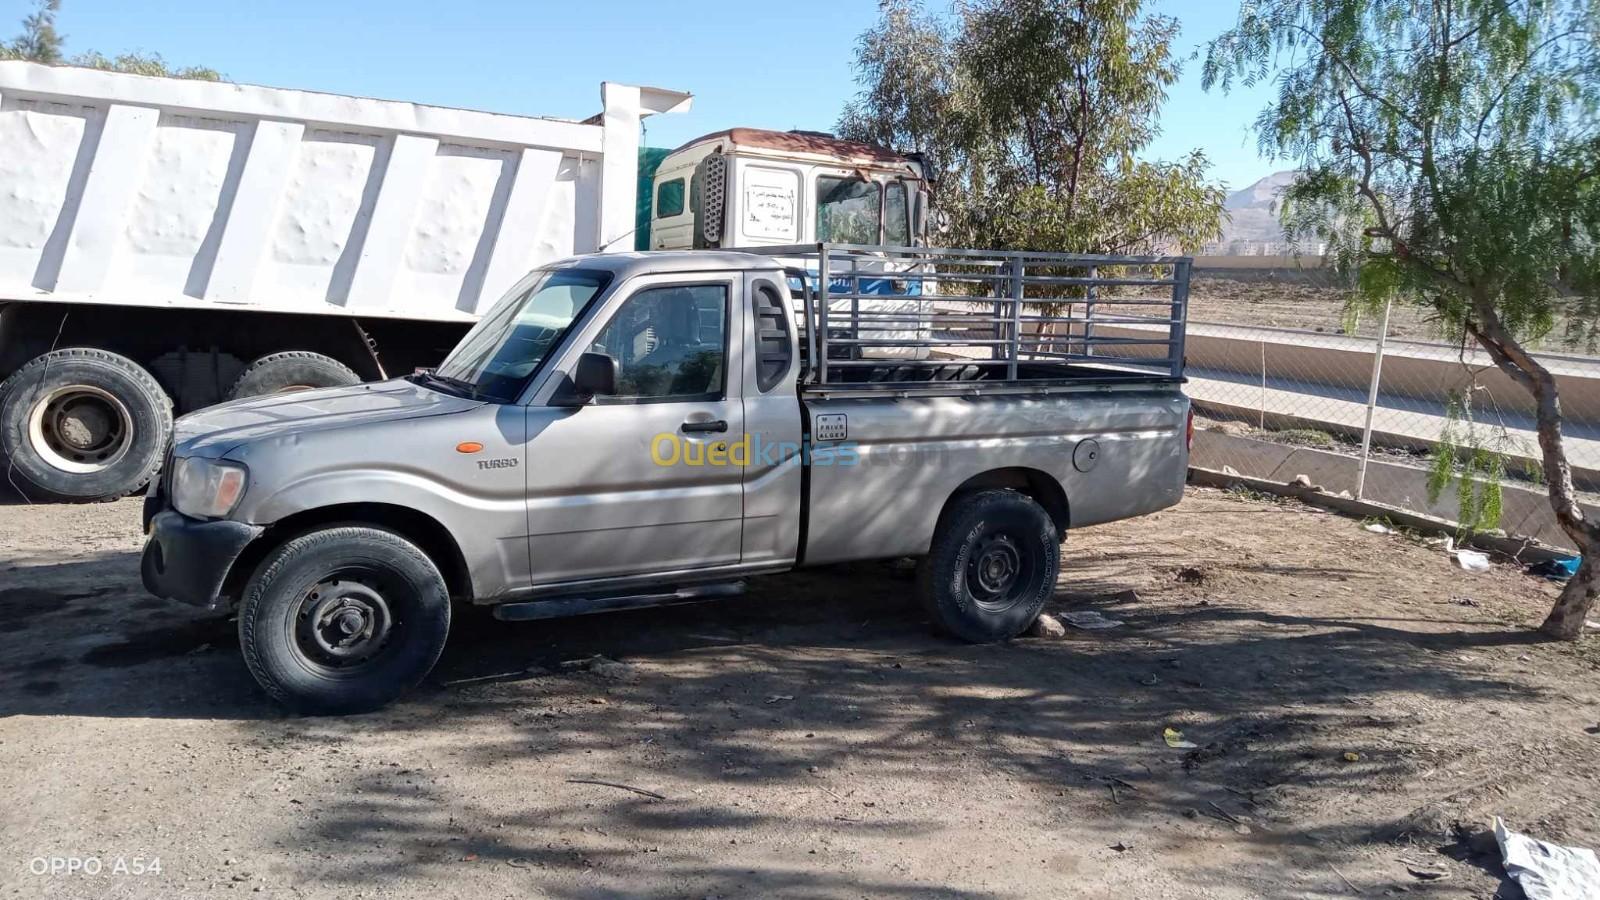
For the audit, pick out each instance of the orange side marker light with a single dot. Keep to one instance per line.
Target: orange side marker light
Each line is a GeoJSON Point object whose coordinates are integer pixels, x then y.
{"type": "Point", "coordinates": [468, 447]}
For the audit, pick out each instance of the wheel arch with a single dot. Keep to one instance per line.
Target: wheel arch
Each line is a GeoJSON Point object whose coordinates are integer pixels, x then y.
{"type": "Point", "coordinates": [1035, 483]}
{"type": "Point", "coordinates": [428, 533]}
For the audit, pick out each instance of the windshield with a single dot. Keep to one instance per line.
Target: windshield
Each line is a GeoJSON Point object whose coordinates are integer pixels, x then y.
{"type": "Point", "coordinates": [498, 355]}
{"type": "Point", "coordinates": [847, 210]}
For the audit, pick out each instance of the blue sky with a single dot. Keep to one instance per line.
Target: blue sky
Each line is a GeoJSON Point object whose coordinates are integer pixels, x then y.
{"type": "Point", "coordinates": [762, 64]}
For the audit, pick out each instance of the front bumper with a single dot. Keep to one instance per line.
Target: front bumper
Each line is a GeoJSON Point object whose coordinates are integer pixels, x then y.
{"type": "Point", "coordinates": [188, 560]}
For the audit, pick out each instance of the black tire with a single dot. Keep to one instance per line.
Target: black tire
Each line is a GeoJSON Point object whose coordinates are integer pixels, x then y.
{"type": "Point", "coordinates": [294, 370]}
{"type": "Point", "coordinates": [314, 636]}
{"type": "Point", "coordinates": [81, 425]}
{"type": "Point", "coordinates": [992, 566]}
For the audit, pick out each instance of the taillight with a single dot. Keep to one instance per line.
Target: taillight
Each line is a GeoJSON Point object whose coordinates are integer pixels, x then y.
{"type": "Point", "coordinates": [1188, 437]}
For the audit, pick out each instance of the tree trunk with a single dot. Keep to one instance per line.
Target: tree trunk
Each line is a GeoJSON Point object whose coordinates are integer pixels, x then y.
{"type": "Point", "coordinates": [1566, 620]}
{"type": "Point", "coordinates": [1567, 617]}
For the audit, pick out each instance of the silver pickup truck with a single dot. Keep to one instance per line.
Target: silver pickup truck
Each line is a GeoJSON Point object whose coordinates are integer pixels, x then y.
{"type": "Point", "coordinates": [627, 430]}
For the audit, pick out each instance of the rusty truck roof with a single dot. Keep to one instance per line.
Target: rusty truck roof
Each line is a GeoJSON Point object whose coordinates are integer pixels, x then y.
{"type": "Point", "coordinates": [802, 142]}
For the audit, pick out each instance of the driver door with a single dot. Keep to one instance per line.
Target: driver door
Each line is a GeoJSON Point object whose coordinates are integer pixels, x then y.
{"type": "Point", "coordinates": [646, 481]}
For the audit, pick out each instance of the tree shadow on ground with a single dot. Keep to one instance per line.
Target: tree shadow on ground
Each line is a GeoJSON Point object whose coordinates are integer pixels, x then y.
{"type": "Point", "coordinates": [723, 692]}
{"type": "Point", "coordinates": [1080, 716]}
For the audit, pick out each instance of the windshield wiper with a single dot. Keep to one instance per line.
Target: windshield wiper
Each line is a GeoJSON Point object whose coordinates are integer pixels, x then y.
{"type": "Point", "coordinates": [466, 388]}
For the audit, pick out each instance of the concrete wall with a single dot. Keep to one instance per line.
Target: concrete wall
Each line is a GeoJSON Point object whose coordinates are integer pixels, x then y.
{"type": "Point", "coordinates": [1526, 510]}
{"type": "Point", "coordinates": [1417, 369]}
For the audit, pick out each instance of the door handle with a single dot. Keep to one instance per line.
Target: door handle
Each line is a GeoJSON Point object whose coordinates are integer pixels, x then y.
{"type": "Point", "coordinates": [717, 427]}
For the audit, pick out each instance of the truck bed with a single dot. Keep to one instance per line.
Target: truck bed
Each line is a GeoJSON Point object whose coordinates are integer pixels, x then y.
{"type": "Point", "coordinates": [928, 371]}
{"type": "Point", "coordinates": [874, 320]}
{"type": "Point", "coordinates": [960, 376]}
{"type": "Point", "coordinates": [868, 495]}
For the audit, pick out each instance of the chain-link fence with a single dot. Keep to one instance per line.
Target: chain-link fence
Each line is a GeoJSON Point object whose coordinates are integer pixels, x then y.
{"type": "Point", "coordinates": [1286, 383]}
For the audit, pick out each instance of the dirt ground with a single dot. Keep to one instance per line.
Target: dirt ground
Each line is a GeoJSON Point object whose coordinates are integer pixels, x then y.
{"type": "Point", "coordinates": [814, 739]}
{"type": "Point", "coordinates": [1314, 300]}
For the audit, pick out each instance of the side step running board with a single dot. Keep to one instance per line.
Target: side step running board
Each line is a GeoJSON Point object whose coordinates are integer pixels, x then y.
{"type": "Point", "coordinates": [558, 607]}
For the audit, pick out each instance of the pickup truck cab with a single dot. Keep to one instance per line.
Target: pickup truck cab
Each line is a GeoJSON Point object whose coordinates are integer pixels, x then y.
{"type": "Point", "coordinates": [645, 428]}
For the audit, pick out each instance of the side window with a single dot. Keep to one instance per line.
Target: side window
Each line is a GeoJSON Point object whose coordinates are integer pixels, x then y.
{"type": "Point", "coordinates": [772, 338]}
{"type": "Point", "coordinates": [669, 199]}
{"type": "Point", "coordinates": [670, 343]}
{"type": "Point", "coordinates": [896, 216]}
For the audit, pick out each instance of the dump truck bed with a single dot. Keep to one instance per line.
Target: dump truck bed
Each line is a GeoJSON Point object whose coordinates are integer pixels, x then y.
{"type": "Point", "coordinates": [142, 191]}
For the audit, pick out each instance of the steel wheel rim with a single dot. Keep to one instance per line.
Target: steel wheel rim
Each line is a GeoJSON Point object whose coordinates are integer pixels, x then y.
{"type": "Point", "coordinates": [999, 572]}
{"type": "Point", "coordinates": [345, 623]}
{"type": "Point", "coordinates": [81, 429]}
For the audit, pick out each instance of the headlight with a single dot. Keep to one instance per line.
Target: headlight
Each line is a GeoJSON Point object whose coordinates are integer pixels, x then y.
{"type": "Point", "coordinates": [207, 488]}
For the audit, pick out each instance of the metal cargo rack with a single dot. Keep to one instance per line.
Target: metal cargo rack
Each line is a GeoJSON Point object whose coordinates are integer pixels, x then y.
{"type": "Point", "coordinates": [925, 319]}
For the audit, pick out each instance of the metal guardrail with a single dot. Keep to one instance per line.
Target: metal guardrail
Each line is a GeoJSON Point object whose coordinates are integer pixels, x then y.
{"type": "Point", "coordinates": [1013, 316]}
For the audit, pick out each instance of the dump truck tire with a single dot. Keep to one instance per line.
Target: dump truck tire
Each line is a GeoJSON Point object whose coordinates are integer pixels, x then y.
{"type": "Point", "coordinates": [81, 425]}
{"type": "Point", "coordinates": [293, 370]}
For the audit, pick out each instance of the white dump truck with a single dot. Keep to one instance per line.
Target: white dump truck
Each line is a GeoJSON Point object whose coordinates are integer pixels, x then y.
{"type": "Point", "coordinates": [169, 244]}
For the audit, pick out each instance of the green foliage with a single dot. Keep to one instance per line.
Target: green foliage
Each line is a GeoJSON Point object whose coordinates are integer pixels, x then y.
{"type": "Point", "coordinates": [1449, 153]}
{"type": "Point", "coordinates": [144, 64]}
{"type": "Point", "coordinates": [39, 40]}
{"type": "Point", "coordinates": [1447, 149]}
{"type": "Point", "coordinates": [910, 97]}
{"type": "Point", "coordinates": [41, 43]}
{"type": "Point", "coordinates": [1305, 437]}
{"type": "Point", "coordinates": [1247, 494]}
{"type": "Point", "coordinates": [1030, 115]}
{"type": "Point", "coordinates": [1473, 456]}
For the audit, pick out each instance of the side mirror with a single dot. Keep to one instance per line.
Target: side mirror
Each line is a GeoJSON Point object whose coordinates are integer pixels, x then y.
{"type": "Point", "coordinates": [594, 376]}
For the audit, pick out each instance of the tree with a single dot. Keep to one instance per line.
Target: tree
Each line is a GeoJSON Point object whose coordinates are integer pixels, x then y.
{"type": "Point", "coordinates": [41, 43]}
{"type": "Point", "coordinates": [1031, 115]}
{"type": "Point", "coordinates": [144, 64]}
{"type": "Point", "coordinates": [906, 67]}
{"type": "Point", "coordinates": [1448, 153]}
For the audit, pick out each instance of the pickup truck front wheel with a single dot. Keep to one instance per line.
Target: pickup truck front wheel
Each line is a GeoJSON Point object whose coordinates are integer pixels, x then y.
{"type": "Point", "coordinates": [992, 566]}
{"type": "Point", "coordinates": [343, 620]}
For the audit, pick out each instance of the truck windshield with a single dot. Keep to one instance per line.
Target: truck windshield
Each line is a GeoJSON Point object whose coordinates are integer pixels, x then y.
{"type": "Point", "coordinates": [847, 210]}
{"type": "Point", "coordinates": [498, 355]}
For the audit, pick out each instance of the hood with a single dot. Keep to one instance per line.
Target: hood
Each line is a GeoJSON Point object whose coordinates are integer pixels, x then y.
{"type": "Point", "coordinates": [214, 431]}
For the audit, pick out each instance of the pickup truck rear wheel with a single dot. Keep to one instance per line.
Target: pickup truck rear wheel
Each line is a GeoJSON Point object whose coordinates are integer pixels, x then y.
{"type": "Point", "coordinates": [992, 566]}
{"type": "Point", "coordinates": [83, 424]}
{"type": "Point", "coordinates": [343, 620]}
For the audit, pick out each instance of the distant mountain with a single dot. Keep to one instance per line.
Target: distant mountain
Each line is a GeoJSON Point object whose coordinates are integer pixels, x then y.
{"type": "Point", "coordinates": [1253, 228]}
